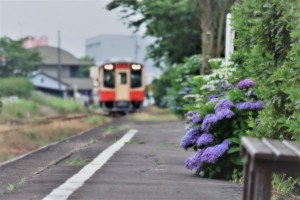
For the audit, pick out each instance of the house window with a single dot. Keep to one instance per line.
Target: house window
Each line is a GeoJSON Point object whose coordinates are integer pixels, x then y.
{"type": "Point", "coordinates": [42, 80]}
{"type": "Point", "coordinates": [74, 71]}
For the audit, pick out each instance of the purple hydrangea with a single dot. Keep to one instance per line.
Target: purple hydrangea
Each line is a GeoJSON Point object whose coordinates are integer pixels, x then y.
{"type": "Point", "coordinates": [223, 104]}
{"type": "Point", "coordinates": [226, 87]}
{"type": "Point", "coordinates": [205, 139]}
{"type": "Point", "coordinates": [194, 161]}
{"type": "Point", "coordinates": [190, 113]}
{"type": "Point", "coordinates": [246, 84]}
{"type": "Point", "coordinates": [196, 119]}
{"type": "Point", "coordinates": [258, 105]}
{"type": "Point", "coordinates": [209, 120]}
{"type": "Point", "coordinates": [215, 96]}
{"type": "Point", "coordinates": [225, 113]}
{"type": "Point", "coordinates": [190, 138]}
{"type": "Point", "coordinates": [212, 154]}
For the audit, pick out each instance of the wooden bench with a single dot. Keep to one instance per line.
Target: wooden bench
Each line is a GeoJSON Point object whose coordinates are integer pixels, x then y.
{"type": "Point", "coordinates": [263, 157]}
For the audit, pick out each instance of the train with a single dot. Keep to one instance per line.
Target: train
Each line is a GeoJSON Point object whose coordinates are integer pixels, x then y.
{"type": "Point", "coordinates": [121, 86]}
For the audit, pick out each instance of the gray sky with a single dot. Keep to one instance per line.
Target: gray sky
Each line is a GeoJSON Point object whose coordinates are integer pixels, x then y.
{"type": "Point", "coordinates": [76, 19]}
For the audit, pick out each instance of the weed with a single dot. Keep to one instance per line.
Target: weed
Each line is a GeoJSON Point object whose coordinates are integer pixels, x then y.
{"type": "Point", "coordinates": [10, 187]}
{"type": "Point", "coordinates": [135, 142]}
{"type": "Point", "coordinates": [31, 135]}
{"type": "Point", "coordinates": [283, 184]}
{"type": "Point", "coordinates": [96, 120]}
{"type": "Point", "coordinates": [77, 162]}
{"type": "Point", "coordinates": [22, 181]}
{"type": "Point", "coordinates": [112, 128]}
{"type": "Point", "coordinates": [6, 156]}
{"type": "Point", "coordinates": [92, 141]}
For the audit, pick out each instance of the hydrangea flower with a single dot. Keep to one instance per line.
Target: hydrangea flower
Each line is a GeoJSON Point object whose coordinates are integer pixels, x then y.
{"type": "Point", "coordinates": [208, 121]}
{"type": "Point", "coordinates": [190, 138]}
{"type": "Point", "coordinates": [205, 139]}
{"type": "Point", "coordinates": [212, 154]}
{"type": "Point", "coordinates": [215, 96]}
{"type": "Point", "coordinates": [190, 113]}
{"type": "Point", "coordinates": [246, 84]}
{"type": "Point", "coordinates": [258, 105]}
{"type": "Point", "coordinates": [225, 113]}
{"type": "Point", "coordinates": [223, 104]}
{"type": "Point", "coordinates": [226, 87]}
{"type": "Point", "coordinates": [212, 100]}
{"type": "Point", "coordinates": [194, 161]}
{"type": "Point", "coordinates": [196, 119]}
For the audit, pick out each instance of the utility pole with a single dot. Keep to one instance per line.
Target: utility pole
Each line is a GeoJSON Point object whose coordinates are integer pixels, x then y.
{"type": "Point", "coordinates": [59, 62]}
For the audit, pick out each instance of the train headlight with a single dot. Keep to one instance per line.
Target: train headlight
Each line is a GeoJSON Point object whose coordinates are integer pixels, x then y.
{"type": "Point", "coordinates": [109, 67]}
{"type": "Point", "coordinates": [136, 67]}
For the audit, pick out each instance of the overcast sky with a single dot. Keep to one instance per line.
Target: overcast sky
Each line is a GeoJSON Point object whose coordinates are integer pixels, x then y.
{"type": "Point", "coordinates": [76, 19]}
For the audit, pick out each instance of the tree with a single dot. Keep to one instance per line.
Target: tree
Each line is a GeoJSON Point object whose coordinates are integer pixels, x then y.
{"type": "Point", "coordinates": [16, 60]}
{"type": "Point", "coordinates": [212, 19]}
{"type": "Point", "coordinates": [172, 23]}
{"type": "Point", "coordinates": [84, 71]}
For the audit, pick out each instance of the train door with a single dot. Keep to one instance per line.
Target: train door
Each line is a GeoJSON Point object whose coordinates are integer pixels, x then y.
{"type": "Point", "coordinates": [122, 86]}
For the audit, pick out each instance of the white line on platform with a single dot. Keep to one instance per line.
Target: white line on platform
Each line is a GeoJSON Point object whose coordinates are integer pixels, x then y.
{"type": "Point", "coordinates": [66, 189]}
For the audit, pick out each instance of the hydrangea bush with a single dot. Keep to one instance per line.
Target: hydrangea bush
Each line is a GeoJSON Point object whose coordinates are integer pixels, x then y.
{"type": "Point", "coordinates": [216, 123]}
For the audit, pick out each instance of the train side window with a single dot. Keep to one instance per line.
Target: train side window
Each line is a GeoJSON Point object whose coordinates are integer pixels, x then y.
{"type": "Point", "coordinates": [109, 78]}
{"type": "Point", "coordinates": [123, 78]}
{"type": "Point", "coordinates": [136, 78]}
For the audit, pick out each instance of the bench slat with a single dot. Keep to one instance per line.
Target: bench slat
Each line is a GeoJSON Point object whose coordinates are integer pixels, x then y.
{"type": "Point", "coordinates": [257, 149]}
{"type": "Point", "coordinates": [295, 146]}
{"type": "Point", "coordinates": [281, 151]}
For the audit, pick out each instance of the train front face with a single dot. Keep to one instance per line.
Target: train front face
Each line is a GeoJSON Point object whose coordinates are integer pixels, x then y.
{"type": "Point", "coordinates": [121, 87]}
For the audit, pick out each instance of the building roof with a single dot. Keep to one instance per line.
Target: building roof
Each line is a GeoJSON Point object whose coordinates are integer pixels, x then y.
{"type": "Point", "coordinates": [50, 57]}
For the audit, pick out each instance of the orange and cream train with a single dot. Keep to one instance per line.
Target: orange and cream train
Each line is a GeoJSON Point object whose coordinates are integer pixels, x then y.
{"type": "Point", "coordinates": [121, 86]}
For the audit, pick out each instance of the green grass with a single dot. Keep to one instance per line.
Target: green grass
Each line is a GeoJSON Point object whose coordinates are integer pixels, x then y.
{"type": "Point", "coordinates": [135, 142]}
{"type": "Point", "coordinates": [62, 106]}
{"type": "Point", "coordinates": [283, 184]}
{"type": "Point", "coordinates": [20, 109]}
{"type": "Point", "coordinates": [30, 107]}
{"type": "Point", "coordinates": [77, 162]}
{"type": "Point", "coordinates": [96, 120]}
{"type": "Point", "coordinates": [112, 128]}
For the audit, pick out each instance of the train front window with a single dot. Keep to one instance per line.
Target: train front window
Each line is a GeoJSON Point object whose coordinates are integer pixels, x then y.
{"type": "Point", "coordinates": [136, 78]}
{"type": "Point", "coordinates": [123, 78]}
{"type": "Point", "coordinates": [109, 78]}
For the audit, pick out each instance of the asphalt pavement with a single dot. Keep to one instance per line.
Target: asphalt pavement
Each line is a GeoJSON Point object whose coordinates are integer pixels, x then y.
{"type": "Point", "coordinates": [149, 166]}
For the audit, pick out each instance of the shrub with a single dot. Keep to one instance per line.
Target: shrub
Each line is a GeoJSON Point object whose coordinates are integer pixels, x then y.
{"type": "Point", "coordinates": [268, 51]}
{"type": "Point", "coordinates": [173, 84]}
{"type": "Point", "coordinates": [15, 86]}
{"type": "Point", "coordinates": [214, 129]}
